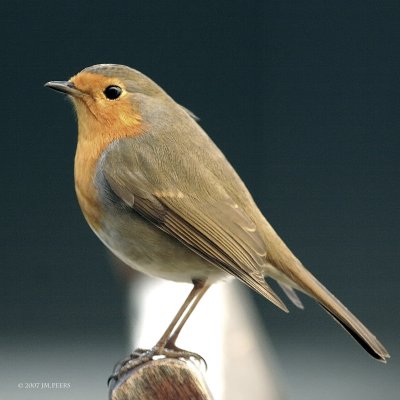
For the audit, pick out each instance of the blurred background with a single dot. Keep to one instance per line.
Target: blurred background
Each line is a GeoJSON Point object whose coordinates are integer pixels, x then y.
{"type": "Point", "coordinates": [303, 97]}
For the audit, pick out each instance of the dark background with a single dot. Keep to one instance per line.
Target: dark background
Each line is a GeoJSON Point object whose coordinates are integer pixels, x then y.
{"type": "Point", "coordinates": [303, 98]}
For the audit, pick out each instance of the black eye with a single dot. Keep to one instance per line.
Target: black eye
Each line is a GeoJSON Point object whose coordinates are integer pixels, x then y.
{"type": "Point", "coordinates": [112, 92]}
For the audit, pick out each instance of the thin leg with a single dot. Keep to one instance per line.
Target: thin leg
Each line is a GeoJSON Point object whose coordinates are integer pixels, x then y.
{"type": "Point", "coordinates": [171, 334]}
{"type": "Point", "coordinates": [172, 338]}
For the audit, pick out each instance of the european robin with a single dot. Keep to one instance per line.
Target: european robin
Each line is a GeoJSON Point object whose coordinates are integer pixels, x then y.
{"type": "Point", "coordinates": [163, 198]}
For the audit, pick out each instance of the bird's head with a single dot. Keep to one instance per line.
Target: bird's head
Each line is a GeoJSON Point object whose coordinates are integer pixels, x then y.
{"type": "Point", "coordinates": [108, 96]}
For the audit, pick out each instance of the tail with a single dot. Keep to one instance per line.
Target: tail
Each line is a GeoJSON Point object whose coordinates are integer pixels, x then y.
{"type": "Point", "coordinates": [341, 314]}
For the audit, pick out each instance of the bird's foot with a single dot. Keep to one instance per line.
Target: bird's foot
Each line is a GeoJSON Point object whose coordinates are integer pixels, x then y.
{"type": "Point", "coordinates": [172, 351]}
{"type": "Point", "coordinates": [142, 356]}
{"type": "Point", "coordinates": [138, 357]}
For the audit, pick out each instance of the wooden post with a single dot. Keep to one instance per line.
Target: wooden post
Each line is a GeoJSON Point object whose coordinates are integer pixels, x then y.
{"type": "Point", "coordinates": [162, 379]}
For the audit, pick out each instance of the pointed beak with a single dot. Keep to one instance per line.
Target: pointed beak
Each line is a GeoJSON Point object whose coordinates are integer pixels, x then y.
{"type": "Point", "coordinates": [64, 87]}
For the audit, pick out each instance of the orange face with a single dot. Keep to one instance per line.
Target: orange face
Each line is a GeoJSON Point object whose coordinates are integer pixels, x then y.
{"type": "Point", "coordinates": [116, 117]}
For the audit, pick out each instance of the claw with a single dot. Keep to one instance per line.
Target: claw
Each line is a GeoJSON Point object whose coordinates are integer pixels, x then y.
{"type": "Point", "coordinates": [141, 356]}
{"type": "Point", "coordinates": [173, 351]}
{"type": "Point", "coordinates": [113, 377]}
{"type": "Point", "coordinates": [138, 357]}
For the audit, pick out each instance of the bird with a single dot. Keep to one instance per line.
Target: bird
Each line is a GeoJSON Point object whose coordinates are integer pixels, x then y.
{"type": "Point", "coordinates": [164, 199]}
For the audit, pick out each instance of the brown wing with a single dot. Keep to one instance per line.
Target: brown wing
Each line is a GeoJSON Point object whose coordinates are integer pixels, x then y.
{"type": "Point", "coordinates": [205, 219]}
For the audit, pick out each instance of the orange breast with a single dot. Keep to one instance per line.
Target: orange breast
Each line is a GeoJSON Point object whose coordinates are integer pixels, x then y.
{"type": "Point", "coordinates": [95, 134]}
{"type": "Point", "coordinates": [85, 169]}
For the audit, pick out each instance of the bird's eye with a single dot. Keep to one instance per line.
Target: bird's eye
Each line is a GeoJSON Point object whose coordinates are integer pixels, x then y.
{"type": "Point", "coordinates": [112, 92]}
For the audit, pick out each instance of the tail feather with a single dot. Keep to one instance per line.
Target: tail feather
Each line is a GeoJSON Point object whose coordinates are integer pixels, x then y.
{"type": "Point", "coordinates": [380, 355]}
{"type": "Point", "coordinates": [291, 294]}
{"type": "Point", "coordinates": [343, 316]}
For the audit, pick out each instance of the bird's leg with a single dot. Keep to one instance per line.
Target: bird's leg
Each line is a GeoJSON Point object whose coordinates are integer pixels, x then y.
{"type": "Point", "coordinates": [168, 339]}
{"type": "Point", "coordinates": [166, 344]}
{"type": "Point", "coordinates": [200, 288]}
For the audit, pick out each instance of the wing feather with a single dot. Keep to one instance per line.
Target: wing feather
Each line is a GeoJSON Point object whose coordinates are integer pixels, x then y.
{"type": "Point", "coordinates": [210, 223]}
